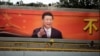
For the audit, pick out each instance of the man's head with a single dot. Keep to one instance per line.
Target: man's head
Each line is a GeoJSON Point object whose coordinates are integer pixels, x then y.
{"type": "Point", "coordinates": [47, 18]}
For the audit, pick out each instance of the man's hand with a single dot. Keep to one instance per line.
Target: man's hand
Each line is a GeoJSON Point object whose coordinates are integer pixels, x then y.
{"type": "Point", "coordinates": [41, 32]}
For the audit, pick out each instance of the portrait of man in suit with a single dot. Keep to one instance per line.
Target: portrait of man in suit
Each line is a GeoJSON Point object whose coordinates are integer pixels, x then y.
{"type": "Point", "coordinates": [47, 31]}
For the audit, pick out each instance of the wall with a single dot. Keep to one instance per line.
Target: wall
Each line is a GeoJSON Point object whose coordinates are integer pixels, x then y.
{"type": "Point", "coordinates": [35, 53]}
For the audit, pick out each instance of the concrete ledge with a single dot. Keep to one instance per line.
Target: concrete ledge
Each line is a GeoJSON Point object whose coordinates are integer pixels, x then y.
{"type": "Point", "coordinates": [47, 8]}
{"type": "Point", "coordinates": [47, 49]}
{"type": "Point", "coordinates": [27, 39]}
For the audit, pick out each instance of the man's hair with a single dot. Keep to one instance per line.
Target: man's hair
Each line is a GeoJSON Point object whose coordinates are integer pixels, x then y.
{"type": "Point", "coordinates": [47, 14]}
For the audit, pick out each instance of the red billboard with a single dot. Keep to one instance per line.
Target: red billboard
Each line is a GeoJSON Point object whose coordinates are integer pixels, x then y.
{"type": "Point", "coordinates": [80, 25]}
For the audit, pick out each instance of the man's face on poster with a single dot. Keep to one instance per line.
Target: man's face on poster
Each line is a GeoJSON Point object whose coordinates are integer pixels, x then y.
{"type": "Point", "coordinates": [47, 21]}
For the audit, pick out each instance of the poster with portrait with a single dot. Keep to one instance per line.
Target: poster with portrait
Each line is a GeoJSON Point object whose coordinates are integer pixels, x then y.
{"type": "Point", "coordinates": [68, 24]}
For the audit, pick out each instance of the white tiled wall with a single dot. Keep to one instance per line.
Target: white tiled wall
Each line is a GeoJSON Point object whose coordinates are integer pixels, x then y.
{"type": "Point", "coordinates": [46, 53]}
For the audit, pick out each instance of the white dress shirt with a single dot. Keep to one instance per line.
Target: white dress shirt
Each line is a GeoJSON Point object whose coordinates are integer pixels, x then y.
{"type": "Point", "coordinates": [48, 32]}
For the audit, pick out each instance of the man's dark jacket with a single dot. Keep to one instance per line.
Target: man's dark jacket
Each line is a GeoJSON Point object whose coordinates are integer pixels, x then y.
{"type": "Point", "coordinates": [54, 33]}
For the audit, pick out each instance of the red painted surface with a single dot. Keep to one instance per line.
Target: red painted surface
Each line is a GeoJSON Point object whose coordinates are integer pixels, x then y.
{"type": "Point", "coordinates": [70, 23]}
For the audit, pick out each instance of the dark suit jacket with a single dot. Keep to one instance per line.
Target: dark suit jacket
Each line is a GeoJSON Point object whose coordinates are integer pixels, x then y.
{"type": "Point", "coordinates": [54, 33]}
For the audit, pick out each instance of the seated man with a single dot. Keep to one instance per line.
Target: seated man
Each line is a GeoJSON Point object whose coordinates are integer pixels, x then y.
{"type": "Point", "coordinates": [47, 31]}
